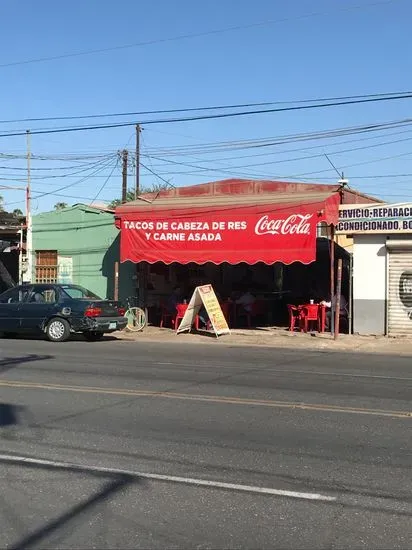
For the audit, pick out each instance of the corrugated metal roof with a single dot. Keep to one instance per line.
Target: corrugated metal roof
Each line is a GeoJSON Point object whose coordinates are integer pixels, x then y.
{"type": "Point", "coordinates": [239, 192]}
{"type": "Point", "coordinates": [221, 200]}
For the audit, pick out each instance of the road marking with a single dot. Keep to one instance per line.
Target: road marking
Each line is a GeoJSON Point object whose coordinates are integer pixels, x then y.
{"type": "Point", "coordinates": [340, 374]}
{"type": "Point", "coordinates": [206, 398]}
{"type": "Point", "coordinates": [167, 478]}
{"type": "Point", "coordinates": [288, 371]}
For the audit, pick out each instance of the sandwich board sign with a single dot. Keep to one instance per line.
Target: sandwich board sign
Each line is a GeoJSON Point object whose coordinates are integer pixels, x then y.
{"type": "Point", "coordinates": [205, 296]}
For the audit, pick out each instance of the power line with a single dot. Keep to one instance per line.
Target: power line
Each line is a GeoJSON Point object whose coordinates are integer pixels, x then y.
{"type": "Point", "coordinates": [280, 140]}
{"type": "Point", "coordinates": [157, 175]}
{"type": "Point", "coordinates": [105, 182]}
{"type": "Point", "coordinates": [59, 176]}
{"type": "Point", "coordinates": [209, 108]}
{"type": "Point", "coordinates": [50, 168]}
{"type": "Point", "coordinates": [381, 159]}
{"type": "Point", "coordinates": [208, 117]}
{"type": "Point", "coordinates": [41, 194]}
{"type": "Point", "coordinates": [280, 161]}
{"type": "Point", "coordinates": [285, 151]}
{"type": "Point", "coordinates": [190, 35]}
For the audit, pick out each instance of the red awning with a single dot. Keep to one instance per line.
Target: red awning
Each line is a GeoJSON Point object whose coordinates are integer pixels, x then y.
{"type": "Point", "coordinates": [265, 228]}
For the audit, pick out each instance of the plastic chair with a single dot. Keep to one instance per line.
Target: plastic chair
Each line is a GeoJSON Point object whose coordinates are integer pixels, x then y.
{"type": "Point", "coordinates": [257, 309]}
{"type": "Point", "coordinates": [309, 314]}
{"type": "Point", "coordinates": [166, 316]}
{"type": "Point", "coordinates": [294, 316]}
{"type": "Point", "coordinates": [181, 310]}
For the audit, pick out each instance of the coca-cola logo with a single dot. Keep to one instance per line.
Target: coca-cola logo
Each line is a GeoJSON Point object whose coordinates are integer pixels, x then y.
{"type": "Point", "coordinates": [295, 224]}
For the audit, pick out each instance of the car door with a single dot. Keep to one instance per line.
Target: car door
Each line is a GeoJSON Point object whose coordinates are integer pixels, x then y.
{"type": "Point", "coordinates": [10, 304]}
{"type": "Point", "coordinates": [39, 306]}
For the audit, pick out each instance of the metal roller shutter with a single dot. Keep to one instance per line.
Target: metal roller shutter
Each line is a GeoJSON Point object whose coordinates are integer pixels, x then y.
{"type": "Point", "coordinates": [400, 293]}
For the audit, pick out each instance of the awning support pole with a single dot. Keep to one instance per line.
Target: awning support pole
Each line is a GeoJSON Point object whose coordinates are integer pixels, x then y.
{"type": "Point", "coordinates": [332, 276]}
{"type": "Point", "coordinates": [116, 281]}
{"type": "Point", "coordinates": [350, 294]}
{"type": "Point", "coordinates": [338, 292]}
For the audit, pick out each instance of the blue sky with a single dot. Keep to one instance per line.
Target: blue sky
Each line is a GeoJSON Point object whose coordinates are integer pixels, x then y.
{"type": "Point", "coordinates": [306, 50]}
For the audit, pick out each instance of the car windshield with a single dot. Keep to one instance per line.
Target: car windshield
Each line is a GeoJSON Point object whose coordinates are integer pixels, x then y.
{"type": "Point", "coordinates": [79, 293]}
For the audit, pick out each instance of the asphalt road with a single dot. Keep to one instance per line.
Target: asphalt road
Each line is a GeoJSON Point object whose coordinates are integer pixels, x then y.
{"type": "Point", "coordinates": [143, 445]}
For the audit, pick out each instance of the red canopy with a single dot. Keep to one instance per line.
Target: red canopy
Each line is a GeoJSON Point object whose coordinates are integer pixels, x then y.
{"type": "Point", "coordinates": [254, 228]}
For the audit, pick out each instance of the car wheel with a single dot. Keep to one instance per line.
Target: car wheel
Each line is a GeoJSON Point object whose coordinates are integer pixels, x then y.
{"type": "Point", "coordinates": [58, 330]}
{"type": "Point", "coordinates": [93, 336]}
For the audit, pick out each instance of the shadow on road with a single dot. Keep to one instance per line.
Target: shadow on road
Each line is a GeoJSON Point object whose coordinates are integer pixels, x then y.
{"type": "Point", "coordinates": [8, 415]}
{"type": "Point", "coordinates": [8, 363]}
{"type": "Point", "coordinates": [113, 483]}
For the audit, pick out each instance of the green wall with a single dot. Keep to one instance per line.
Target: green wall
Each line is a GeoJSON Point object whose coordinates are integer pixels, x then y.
{"type": "Point", "coordinates": [88, 236]}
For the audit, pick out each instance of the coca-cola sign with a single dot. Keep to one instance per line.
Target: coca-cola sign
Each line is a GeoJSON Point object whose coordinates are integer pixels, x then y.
{"type": "Point", "coordinates": [295, 224]}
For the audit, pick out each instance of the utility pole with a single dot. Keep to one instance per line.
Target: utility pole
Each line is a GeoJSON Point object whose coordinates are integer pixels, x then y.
{"type": "Point", "coordinates": [29, 225]}
{"type": "Point", "coordinates": [124, 175]}
{"type": "Point", "coordinates": [137, 185]}
{"type": "Point", "coordinates": [338, 292]}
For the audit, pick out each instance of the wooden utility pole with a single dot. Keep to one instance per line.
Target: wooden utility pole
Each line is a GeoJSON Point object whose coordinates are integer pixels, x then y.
{"type": "Point", "coordinates": [338, 293]}
{"type": "Point", "coordinates": [124, 174]}
{"type": "Point", "coordinates": [137, 185]}
{"type": "Point", "coordinates": [332, 277]}
{"type": "Point", "coordinates": [29, 224]}
{"type": "Point", "coordinates": [116, 281]}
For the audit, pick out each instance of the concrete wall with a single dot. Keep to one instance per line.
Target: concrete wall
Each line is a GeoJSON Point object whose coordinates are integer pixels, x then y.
{"type": "Point", "coordinates": [90, 238]}
{"type": "Point", "coordinates": [369, 284]}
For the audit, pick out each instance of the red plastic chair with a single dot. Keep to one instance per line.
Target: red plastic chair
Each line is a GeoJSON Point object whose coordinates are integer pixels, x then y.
{"type": "Point", "coordinates": [294, 317]}
{"type": "Point", "coordinates": [181, 310]}
{"type": "Point", "coordinates": [309, 314]}
{"type": "Point", "coordinates": [166, 316]}
{"type": "Point", "coordinates": [257, 310]}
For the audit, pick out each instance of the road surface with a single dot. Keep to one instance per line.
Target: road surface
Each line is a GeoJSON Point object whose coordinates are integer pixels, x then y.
{"type": "Point", "coordinates": [122, 444]}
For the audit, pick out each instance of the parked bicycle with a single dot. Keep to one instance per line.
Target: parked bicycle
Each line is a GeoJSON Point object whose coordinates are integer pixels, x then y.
{"type": "Point", "coordinates": [136, 316]}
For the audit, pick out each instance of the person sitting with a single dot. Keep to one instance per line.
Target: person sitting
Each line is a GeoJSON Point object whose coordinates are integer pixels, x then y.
{"type": "Point", "coordinates": [174, 299]}
{"type": "Point", "coordinates": [246, 300]}
{"type": "Point", "coordinates": [343, 309]}
{"type": "Point", "coordinates": [203, 317]}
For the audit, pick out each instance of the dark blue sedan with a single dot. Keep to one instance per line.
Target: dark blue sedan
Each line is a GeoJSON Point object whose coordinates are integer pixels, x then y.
{"type": "Point", "coordinates": [58, 310]}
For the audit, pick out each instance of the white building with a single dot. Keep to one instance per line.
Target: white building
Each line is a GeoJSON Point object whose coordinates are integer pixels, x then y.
{"type": "Point", "coordinates": [382, 266]}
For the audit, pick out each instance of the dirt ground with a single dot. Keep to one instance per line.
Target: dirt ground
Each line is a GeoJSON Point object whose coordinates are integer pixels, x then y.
{"type": "Point", "coordinates": [278, 337]}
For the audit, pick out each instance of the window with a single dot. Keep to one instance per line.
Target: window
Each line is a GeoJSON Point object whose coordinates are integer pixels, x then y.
{"type": "Point", "coordinates": [79, 293]}
{"type": "Point", "coordinates": [14, 295]}
{"type": "Point", "coordinates": [43, 295]}
{"type": "Point", "coordinates": [46, 266]}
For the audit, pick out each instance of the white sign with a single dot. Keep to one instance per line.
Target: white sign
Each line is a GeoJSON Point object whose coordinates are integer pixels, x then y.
{"type": "Point", "coordinates": [65, 270]}
{"type": "Point", "coordinates": [205, 296]}
{"type": "Point", "coordinates": [374, 218]}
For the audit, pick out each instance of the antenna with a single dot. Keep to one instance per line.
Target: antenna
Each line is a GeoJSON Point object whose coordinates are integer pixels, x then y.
{"type": "Point", "coordinates": [342, 181]}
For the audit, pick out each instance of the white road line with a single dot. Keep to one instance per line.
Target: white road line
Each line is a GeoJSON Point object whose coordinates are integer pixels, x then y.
{"type": "Point", "coordinates": [290, 371]}
{"type": "Point", "coordinates": [167, 478]}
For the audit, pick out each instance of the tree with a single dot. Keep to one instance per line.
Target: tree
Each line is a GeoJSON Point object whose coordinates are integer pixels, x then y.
{"type": "Point", "coordinates": [17, 212]}
{"type": "Point", "coordinates": [60, 205]}
{"type": "Point", "coordinates": [130, 196]}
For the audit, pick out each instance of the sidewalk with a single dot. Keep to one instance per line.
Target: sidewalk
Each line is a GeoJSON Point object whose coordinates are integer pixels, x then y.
{"type": "Point", "coordinates": [278, 338]}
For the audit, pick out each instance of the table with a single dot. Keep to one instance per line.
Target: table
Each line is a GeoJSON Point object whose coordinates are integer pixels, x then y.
{"type": "Point", "coordinates": [314, 312]}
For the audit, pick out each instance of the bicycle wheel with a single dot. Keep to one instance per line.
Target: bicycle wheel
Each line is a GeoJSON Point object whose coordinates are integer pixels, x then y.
{"type": "Point", "coordinates": [136, 319]}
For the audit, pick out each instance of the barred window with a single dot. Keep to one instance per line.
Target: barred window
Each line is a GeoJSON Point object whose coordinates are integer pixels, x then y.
{"type": "Point", "coordinates": [46, 266]}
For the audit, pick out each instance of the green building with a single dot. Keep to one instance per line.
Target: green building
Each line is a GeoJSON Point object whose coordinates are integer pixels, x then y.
{"type": "Point", "coordinates": [80, 245]}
